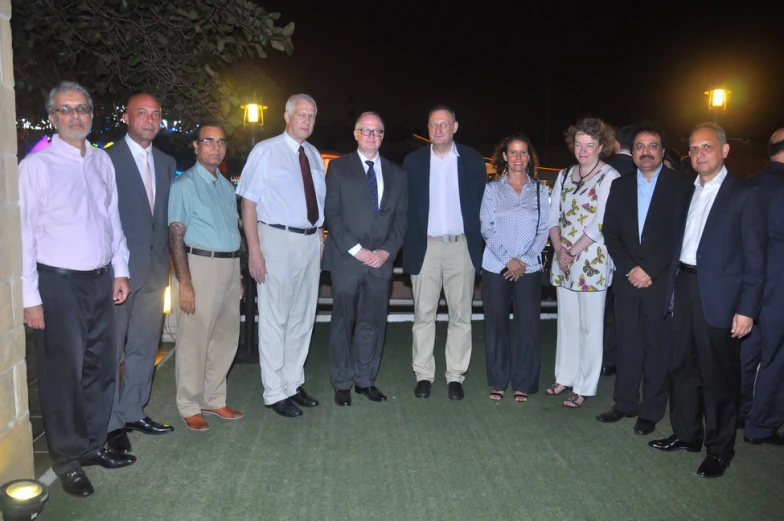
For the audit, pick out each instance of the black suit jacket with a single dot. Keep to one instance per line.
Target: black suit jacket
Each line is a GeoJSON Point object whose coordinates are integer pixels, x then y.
{"type": "Point", "coordinates": [623, 163]}
{"type": "Point", "coordinates": [471, 178]}
{"type": "Point", "coordinates": [770, 183]}
{"type": "Point", "coordinates": [147, 234]}
{"type": "Point", "coordinates": [730, 255]}
{"type": "Point", "coordinates": [351, 217]}
{"type": "Point", "coordinates": [620, 229]}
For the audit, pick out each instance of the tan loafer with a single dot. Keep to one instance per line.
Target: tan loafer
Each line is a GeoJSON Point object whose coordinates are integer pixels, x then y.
{"type": "Point", "coordinates": [226, 413]}
{"type": "Point", "coordinates": [196, 423]}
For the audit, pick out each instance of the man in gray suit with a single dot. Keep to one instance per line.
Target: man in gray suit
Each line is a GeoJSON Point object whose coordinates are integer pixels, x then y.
{"type": "Point", "coordinates": [365, 212]}
{"type": "Point", "coordinates": [144, 175]}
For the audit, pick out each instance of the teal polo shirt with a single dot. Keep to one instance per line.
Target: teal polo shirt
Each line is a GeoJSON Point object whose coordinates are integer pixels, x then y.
{"type": "Point", "coordinates": [207, 206]}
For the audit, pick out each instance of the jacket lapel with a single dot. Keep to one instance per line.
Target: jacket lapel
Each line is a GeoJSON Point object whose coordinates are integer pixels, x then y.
{"type": "Point", "coordinates": [385, 168]}
{"type": "Point", "coordinates": [161, 180]}
{"type": "Point", "coordinates": [719, 207]}
{"type": "Point", "coordinates": [132, 172]}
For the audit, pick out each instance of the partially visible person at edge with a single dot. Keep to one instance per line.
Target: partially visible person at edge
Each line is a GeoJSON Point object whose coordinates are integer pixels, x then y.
{"type": "Point", "coordinates": [582, 268]}
{"type": "Point", "coordinates": [514, 216]}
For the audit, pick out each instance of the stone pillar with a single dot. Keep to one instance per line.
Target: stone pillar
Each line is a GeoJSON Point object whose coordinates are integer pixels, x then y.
{"type": "Point", "coordinates": [16, 438]}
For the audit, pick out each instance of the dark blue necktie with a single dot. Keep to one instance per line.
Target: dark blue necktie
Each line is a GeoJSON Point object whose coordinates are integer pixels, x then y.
{"type": "Point", "coordinates": [372, 183]}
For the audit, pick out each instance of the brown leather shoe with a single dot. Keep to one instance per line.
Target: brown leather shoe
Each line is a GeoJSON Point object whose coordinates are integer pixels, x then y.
{"type": "Point", "coordinates": [227, 413]}
{"type": "Point", "coordinates": [196, 423]}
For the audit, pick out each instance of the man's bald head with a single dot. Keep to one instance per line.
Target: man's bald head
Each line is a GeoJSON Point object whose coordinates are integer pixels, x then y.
{"type": "Point", "coordinates": [776, 146]}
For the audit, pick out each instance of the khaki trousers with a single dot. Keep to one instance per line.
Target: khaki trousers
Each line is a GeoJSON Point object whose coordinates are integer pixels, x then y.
{"type": "Point", "coordinates": [207, 340]}
{"type": "Point", "coordinates": [447, 265]}
{"type": "Point", "coordinates": [287, 309]}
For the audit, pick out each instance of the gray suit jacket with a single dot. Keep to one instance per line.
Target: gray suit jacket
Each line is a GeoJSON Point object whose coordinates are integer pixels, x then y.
{"type": "Point", "coordinates": [352, 219]}
{"type": "Point", "coordinates": [147, 234]}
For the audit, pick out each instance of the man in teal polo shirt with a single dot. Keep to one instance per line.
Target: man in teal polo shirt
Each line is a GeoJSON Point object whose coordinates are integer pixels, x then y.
{"type": "Point", "coordinates": [204, 239]}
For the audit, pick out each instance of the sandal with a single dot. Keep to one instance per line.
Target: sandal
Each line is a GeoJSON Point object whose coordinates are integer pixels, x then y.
{"type": "Point", "coordinates": [574, 401]}
{"type": "Point", "coordinates": [520, 397]}
{"type": "Point", "coordinates": [553, 389]}
{"type": "Point", "coordinates": [496, 396]}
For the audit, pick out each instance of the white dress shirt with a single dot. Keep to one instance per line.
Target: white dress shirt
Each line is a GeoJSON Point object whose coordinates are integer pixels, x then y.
{"type": "Point", "coordinates": [136, 151]}
{"type": "Point", "coordinates": [379, 181]}
{"type": "Point", "coordinates": [272, 178]}
{"type": "Point", "coordinates": [699, 209]}
{"type": "Point", "coordinates": [445, 216]}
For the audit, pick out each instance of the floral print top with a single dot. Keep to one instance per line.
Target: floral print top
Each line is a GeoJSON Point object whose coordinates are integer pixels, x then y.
{"type": "Point", "coordinates": [578, 212]}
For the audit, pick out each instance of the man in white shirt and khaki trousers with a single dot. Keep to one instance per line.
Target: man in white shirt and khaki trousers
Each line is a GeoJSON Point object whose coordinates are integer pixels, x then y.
{"type": "Point", "coordinates": [443, 247]}
{"type": "Point", "coordinates": [283, 190]}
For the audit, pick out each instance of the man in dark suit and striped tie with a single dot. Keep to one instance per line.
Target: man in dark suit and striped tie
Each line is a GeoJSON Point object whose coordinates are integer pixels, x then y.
{"type": "Point", "coordinates": [365, 212]}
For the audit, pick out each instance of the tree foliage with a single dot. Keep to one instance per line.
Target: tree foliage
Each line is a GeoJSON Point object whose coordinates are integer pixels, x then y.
{"type": "Point", "coordinates": [179, 50]}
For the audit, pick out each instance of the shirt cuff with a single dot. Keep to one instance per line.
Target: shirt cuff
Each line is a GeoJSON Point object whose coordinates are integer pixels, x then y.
{"type": "Point", "coordinates": [353, 251]}
{"type": "Point", "coordinates": [120, 270]}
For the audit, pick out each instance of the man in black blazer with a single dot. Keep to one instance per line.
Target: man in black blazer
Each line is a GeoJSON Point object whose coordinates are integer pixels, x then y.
{"type": "Point", "coordinates": [716, 281]}
{"type": "Point", "coordinates": [443, 247]}
{"type": "Point", "coordinates": [762, 353]}
{"type": "Point", "coordinates": [365, 214]}
{"type": "Point", "coordinates": [622, 160]}
{"type": "Point", "coordinates": [144, 175]}
{"type": "Point", "coordinates": [639, 233]}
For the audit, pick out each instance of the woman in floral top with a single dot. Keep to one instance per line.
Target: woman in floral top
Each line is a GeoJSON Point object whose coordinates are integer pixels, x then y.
{"type": "Point", "coordinates": [581, 269]}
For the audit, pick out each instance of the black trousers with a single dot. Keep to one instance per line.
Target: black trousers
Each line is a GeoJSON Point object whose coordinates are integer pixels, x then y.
{"type": "Point", "coordinates": [76, 361]}
{"type": "Point", "coordinates": [704, 374]}
{"type": "Point", "coordinates": [610, 354]}
{"type": "Point", "coordinates": [644, 351]}
{"type": "Point", "coordinates": [750, 355]}
{"type": "Point", "coordinates": [767, 409]}
{"type": "Point", "coordinates": [516, 358]}
{"type": "Point", "coordinates": [359, 321]}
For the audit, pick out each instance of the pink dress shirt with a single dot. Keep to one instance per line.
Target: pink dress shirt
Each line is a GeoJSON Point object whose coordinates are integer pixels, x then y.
{"type": "Point", "coordinates": [69, 214]}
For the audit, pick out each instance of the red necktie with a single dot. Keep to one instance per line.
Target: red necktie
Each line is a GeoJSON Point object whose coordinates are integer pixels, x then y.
{"type": "Point", "coordinates": [310, 191]}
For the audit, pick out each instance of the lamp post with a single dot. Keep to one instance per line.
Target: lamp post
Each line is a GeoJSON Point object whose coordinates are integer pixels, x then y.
{"type": "Point", "coordinates": [254, 117]}
{"type": "Point", "coordinates": [717, 102]}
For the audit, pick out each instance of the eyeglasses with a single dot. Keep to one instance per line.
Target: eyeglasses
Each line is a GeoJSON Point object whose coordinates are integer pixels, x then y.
{"type": "Point", "coordinates": [210, 142]}
{"type": "Point", "coordinates": [370, 131]}
{"type": "Point", "coordinates": [441, 125]}
{"type": "Point", "coordinates": [79, 110]}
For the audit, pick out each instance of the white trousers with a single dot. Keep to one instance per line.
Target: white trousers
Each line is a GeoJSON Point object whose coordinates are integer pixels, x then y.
{"type": "Point", "coordinates": [578, 352]}
{"type": "Point", "coordinates": [287, 309]}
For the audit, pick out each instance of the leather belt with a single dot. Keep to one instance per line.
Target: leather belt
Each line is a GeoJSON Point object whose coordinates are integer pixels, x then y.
{"type": "Point", "coordinates": [688, 268]}
{"type": "Point", "coordinates": [302, 231]}
{"type": "Point", "coordinates": [448, 238]}
{"type": "Point", "coordinates": [213, 254]}
{"type": "Point", "coordinates": [82, 273]}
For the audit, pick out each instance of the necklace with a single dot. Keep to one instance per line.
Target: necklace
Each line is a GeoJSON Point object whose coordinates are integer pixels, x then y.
{"type": "Point", "coordinates": [584, 177]}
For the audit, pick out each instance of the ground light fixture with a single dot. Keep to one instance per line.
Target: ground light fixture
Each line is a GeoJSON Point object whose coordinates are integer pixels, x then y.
{"type": "Point", "coordinates": [22, 499]}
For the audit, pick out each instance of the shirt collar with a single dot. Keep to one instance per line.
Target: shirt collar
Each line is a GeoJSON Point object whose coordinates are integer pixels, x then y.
{"type": "Point", "coordinates": [205, 174]}
{"type": "Point", "coordinates": [641, 177]}
{"type": "Point", "coordinates": [375, 160]}
{"type": "Point", "coordinates": [715, 182]}
{"type": "Point", "coordinates": [291, 142]}
{"type": "Point", "coordinates": [452, 150]}
{"type": "Point", "coordinates": [135, 147]}
{"type": "Point", "coordinates": [65, 148]}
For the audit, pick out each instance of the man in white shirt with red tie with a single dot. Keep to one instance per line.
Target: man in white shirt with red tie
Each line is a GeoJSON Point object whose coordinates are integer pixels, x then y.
{"type": "Point", "coordinates": [283, 190]}
{"type": "Point", "coordinates": [75, 269]}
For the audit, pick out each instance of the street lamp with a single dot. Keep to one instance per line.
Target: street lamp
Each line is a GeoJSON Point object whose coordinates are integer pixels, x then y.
{"type": "Point", "coordinates": [717, 102]}
{"type": "Point", "coordinates": [254, 117]}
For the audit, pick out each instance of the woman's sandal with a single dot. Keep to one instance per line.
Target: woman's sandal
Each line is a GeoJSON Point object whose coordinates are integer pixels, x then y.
{"type": "Point", "coordinates": [496, 396]}
{"type": "Point", "coordinates": [575, 401]}
{"type": "Point", "coordinates": [520, 397]}
{"type": "Point", "coordinates": [553, 389]}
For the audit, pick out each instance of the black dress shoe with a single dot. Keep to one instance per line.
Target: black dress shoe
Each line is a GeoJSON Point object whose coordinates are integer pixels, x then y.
{"type": "Point", "coordinates": [422, 389]}
{"type": "Point", "coordinates": [608, 370]}
{"type": "Point", "coordinates": [456, 391]}
{"type": "Point", "coordinates": [108, 459]}
{"type": "Point", "coordinates": [673, 443]}
{"type": "Point", "coordinates": [612, 415]}
{"type": "Point", "coordinates": [643, 427]}
{"type": "Point", "coordinates": [76, 483]}
{"type": "Point", "coordinates": [713, 466]}
{"type": "Point", "coordinates": [148, 426]}
{"type": "Point", "coordinates": [343, 397]}
{"type": "Point", "coordinates": [286, 408]}
{"type": "Point", "coordinates": [372, 393]}
{"type": "Point", "coordinates": [777, 438]}
{"type": "Point", "coordinates": [118, 441]}
{"type": "Point", "coordinates": [303, 399]}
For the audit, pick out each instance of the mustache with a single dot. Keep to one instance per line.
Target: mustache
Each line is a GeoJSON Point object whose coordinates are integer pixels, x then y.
{"type": "Point", "coordinates": [647, 157]}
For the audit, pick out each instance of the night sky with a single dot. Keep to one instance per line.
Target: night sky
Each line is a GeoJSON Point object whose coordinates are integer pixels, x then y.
{"type": "Point", "coordinates": [533, 67]}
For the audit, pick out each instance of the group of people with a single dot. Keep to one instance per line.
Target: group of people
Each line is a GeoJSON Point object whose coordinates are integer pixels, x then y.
{"type": "Point", "coordinates": [100, 229]}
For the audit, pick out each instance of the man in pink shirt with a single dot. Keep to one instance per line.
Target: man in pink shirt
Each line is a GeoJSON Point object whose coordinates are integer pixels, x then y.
{"type": "Point", "coordinates": [75, 269]}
